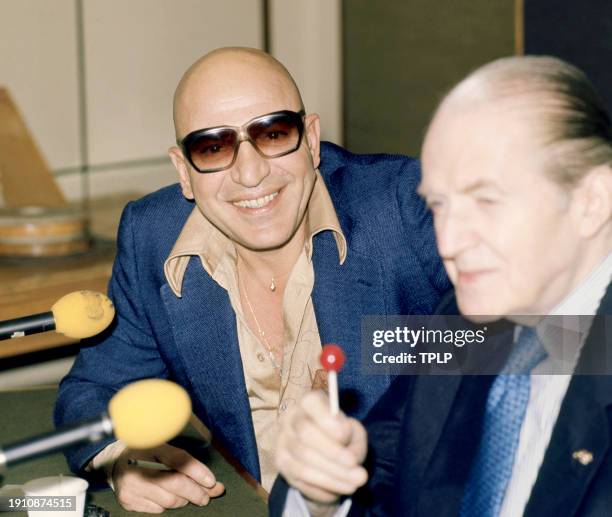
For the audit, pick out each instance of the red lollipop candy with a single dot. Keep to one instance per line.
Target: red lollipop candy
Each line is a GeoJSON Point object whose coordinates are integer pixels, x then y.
{"type": "Point", "coordinates": [332, 358]}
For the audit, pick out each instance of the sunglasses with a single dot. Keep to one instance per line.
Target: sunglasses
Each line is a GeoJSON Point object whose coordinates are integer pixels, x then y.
{"type": "Point", "coordinates": [215, 149]}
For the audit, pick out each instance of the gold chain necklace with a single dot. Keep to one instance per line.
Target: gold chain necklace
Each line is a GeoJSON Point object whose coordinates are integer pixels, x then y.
{"type": "Point", "coordinates": [262, 335]}
{"type": "Point", "coordinates": [271, 286]}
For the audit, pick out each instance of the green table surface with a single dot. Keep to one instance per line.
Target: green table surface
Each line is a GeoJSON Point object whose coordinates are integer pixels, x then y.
{"type": "Point", "coordinates": [24, 414]}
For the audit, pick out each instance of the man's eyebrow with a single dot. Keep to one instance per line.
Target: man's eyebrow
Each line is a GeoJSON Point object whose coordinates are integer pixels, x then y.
{"type": "Point", "coordinates": [468, 189]}
{"type": "Point", "coordinates": [477, 185]}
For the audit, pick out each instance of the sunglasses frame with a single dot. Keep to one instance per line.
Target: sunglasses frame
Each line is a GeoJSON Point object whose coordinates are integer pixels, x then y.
{"type": "Point", "coordinates": [243, 136]}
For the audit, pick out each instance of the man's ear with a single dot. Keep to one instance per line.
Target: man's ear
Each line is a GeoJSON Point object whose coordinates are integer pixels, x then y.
{"type": "Point", "coordinates": [313, 137]}
{"type": "Point", "coordinates": [594, 196]}
{"type": "Point", "coordinates": [181, 166]}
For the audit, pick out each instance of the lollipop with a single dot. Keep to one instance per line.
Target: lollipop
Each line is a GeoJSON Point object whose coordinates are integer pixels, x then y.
{"type": "Point", "coordinates": [332, 360]}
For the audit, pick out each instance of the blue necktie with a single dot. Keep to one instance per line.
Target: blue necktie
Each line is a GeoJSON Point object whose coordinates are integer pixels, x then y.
{"type": "Point", "coordinates": [504, 414]}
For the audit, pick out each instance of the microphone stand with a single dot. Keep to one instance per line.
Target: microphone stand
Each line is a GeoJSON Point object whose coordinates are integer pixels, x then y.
{"type": "Point", "coordinates": [27, 325]}
{"type": "Point", "coordinates": [55, 441]}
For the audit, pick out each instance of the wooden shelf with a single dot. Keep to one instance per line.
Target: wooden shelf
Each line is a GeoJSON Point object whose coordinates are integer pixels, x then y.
{"type": "Point", "coordinates": [31, 286]}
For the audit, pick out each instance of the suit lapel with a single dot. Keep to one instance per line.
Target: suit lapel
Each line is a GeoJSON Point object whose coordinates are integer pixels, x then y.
{"type": "Point", "coordinates": [341, 295]}
{"type": "Point", "coordinates": [452, 412]}
{"type": "Point", "coordinates": [582, 428]}
{"type": "Point", "coordinates": [451, 409]}
{"type": "Point", "coordinates": [424, 414]}
{"type": "Point", "coordinates": [582, 425]}
{"type": "Point", "coordinates": [204, 328]}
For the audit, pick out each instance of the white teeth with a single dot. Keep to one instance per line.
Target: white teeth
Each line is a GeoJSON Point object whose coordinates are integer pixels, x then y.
{"type": "Point", "coordinates": [256, 203]}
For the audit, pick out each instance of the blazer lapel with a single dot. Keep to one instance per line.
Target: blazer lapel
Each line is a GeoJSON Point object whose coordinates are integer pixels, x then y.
{"type": "Point", "coordinates": [581, 437]}
{"type": "Point", "coordinates": [204, 329]}
{"type": "Point", "coordinates": [578, 445]}
{"type": "Point", "coordinates": [342, 294]}
{"type": "Point", "coordinates": [452, 410]}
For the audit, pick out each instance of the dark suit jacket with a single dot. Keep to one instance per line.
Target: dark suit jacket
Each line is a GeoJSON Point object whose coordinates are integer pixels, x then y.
{"type": "Point", "coordinates": [424, 433]}
{"type": "Point", "coordinates": [391, 268]}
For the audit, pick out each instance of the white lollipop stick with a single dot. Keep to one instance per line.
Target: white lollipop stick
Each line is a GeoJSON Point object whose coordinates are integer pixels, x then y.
{"type": "Point", "coordinates": [332, 385]}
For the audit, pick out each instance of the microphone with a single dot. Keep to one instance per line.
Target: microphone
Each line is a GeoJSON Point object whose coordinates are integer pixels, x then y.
{"type": "Point", "coordinates": [77, 315]}
{"type": "Point", "coordinates": [144, 414]}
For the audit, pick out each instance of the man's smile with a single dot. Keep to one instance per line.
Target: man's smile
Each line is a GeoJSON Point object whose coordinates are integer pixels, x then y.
{"type": "Point", "coordinates": [263, 204]}
{"type": "Point", "coordinates": [256, 202]}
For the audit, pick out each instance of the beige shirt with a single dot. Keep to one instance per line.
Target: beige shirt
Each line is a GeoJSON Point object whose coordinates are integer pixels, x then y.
{"type": "Point", "coordinates": [270, 395]}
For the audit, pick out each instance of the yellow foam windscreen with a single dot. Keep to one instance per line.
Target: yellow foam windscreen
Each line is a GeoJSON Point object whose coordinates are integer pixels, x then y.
{"type": "Point", "coordinates": [82, 314]}
{"type": "Point", "coordinates": [148, 413]}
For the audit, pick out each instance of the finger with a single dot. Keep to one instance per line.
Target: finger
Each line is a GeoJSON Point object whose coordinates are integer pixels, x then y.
{"type": "Point", "coordinates": [217, 490]}
{"type": "Point", "coordinates": [167, 499]}
{"type": "Point", "coordinates": [311, 438]}
{"type": "Point", "coordinates": [322, 462]}
{"type": "Point", "coordinates": [315, 406]}
{"type": "Point", "coordinates": [150, 507]}
{"type": "Point", "coordinates": [183, 487]}
{"type": "Point", "coordinates": [141, 505]}
{"type": "Point", "coordinates": [316, 493]}
{"type": "Point", "coordinates": [181, 461]}
{"type": "Point", "coordinates": [157, 494]}
{"type": "Point", "coordinates": [297, 471]}
{"type": "Point", "coordinates": [358, 444]}
{"type": "Point", "coordinates": [309, 447]}
{"type": "Point", "coordinates": [139, 494]}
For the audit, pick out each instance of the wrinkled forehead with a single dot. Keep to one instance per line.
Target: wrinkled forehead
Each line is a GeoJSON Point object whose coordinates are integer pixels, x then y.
{"type": "Point", "coordinates": [232, 94]}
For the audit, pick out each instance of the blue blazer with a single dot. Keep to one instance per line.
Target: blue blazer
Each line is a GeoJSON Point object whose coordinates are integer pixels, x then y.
{"type": "Point", "coordinates": [425, 431]}
{"type": "Point", "coordinates": [392, 267]}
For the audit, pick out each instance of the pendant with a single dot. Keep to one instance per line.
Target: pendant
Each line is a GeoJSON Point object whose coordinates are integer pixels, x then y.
{"type": "Point", "coordinates": [272, 285]}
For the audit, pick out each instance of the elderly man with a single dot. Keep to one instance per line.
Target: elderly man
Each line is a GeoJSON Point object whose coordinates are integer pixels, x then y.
{"type": "Point", "coordinates": [517, 169]}
{"type": "Point", "coordinates": [228, 284]}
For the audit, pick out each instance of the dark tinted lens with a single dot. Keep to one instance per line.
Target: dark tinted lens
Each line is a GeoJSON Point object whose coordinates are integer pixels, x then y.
{"type": "Point", "coordinates": [277, 134]}
{"type": "Point", "coordinates": [213, 149]}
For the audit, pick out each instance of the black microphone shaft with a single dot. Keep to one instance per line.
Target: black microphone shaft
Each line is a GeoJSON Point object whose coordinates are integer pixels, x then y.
{"type": "Point", "coordinates": [20, 327]}
{"type": "Point", "coordinates": [56, 441]}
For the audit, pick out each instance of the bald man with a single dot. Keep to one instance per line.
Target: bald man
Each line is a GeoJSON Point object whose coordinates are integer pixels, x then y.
{"type": "Point", "coordinates": [228, 283]}
{"type": "Point", "coordinates": [523, 219]}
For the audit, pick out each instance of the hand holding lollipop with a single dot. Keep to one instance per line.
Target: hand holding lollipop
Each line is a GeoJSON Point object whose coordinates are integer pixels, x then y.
{"type": "Point", "coordinates": [332, 360]}
{"type": "Point", "coordinates": [320, 451]}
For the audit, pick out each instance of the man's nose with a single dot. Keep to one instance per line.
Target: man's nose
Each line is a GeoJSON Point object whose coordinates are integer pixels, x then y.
{"type": "Point", "coordinates": [250, 168]}
{"type": "Point", "coordinates": [454, 233]}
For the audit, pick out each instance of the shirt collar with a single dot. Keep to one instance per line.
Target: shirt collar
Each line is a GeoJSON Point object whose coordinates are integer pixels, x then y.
{"type": "Point", "coordinates": [564, 330]}
{"type": "Point", "coordinates": [199, 237]}
{"type": "Point", "coordinates": [585, 299]}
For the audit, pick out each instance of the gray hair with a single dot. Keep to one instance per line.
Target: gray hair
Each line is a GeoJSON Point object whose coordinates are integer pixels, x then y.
{"type": "Point", "coordinates": [562, 106]}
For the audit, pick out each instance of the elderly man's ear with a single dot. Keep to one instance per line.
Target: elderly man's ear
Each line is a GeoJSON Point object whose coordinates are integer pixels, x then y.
{"type": "Point", "coordinates": [593, 196]}
{"type": "Point", "coordinates": [312, 134]}
{"type": "Point", "coordinates": [182, 167]}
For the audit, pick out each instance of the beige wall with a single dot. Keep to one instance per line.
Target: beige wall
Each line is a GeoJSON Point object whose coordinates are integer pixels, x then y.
{"type": "Point", "coordinates": [306, 36]}
{"type": "Point", "coordinates": [38, 63]}
{"type": "Point", "coordinates": [133, 54]}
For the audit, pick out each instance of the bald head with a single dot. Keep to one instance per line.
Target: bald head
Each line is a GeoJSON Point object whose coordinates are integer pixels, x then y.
{"type": "Point", "coordinates": [231, 77]}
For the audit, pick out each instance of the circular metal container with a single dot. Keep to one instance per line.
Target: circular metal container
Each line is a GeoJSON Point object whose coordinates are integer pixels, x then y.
{"type": "Point", "coordinates": [36, 231]}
